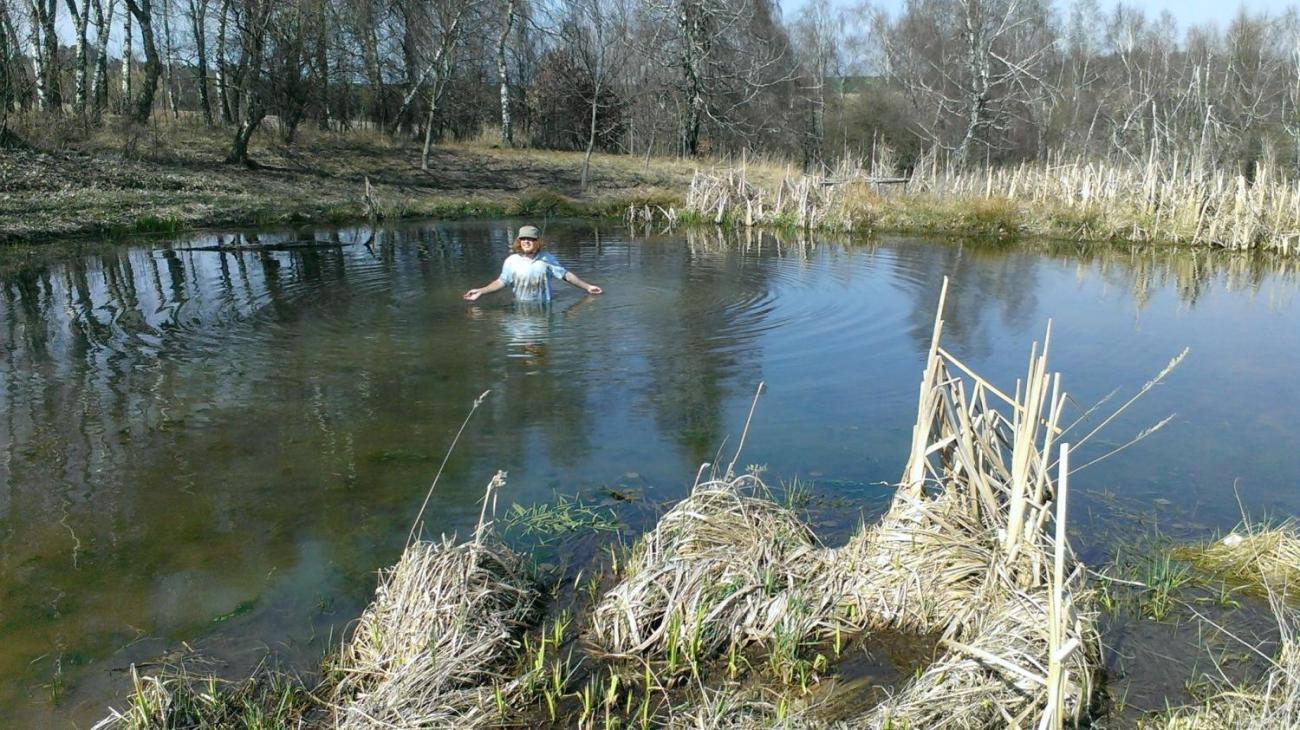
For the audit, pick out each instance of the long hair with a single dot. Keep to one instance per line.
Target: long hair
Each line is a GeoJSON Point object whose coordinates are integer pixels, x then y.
{"type": "Point", "coordinates": [515, 247]}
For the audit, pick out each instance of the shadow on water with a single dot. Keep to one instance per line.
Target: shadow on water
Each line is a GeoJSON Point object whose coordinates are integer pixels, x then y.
{"type": "Point", "coordinates": [218, 440]}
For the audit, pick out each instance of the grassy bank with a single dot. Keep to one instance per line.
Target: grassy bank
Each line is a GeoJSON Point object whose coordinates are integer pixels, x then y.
{"type": "Point", "coordinates": [1156, 201]}
{"type": "Point", "coordinates": [171, 177]}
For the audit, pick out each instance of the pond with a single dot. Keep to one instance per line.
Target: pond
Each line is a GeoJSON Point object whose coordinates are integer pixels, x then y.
{"type": "Point", "coordinates": [213, 446]}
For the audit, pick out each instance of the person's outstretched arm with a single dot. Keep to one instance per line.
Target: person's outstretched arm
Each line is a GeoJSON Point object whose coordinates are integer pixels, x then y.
{"type": "Point", "coordinates": [473, 294]}
{"type": "Point", "coordinates": [574, 279]}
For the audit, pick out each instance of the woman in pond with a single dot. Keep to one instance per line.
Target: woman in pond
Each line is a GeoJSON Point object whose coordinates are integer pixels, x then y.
{"type": "Point", "coordinates": [529, 271]}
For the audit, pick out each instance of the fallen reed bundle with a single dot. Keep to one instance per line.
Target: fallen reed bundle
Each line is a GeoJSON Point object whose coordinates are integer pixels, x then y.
{"type": "Point", "coordinates": [1264, 558]}
{"type": "Point", "coordinates": [922, 569]}
{"type": "Point", "coordinates": [433, 648]}
{"type": "Point", "coordinates": [178, 700]}
{"type": "Point", "coordinates": [726, 565]}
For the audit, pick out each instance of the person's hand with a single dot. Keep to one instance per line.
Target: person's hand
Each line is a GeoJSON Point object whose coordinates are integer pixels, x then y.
{"type": "Point", "coordinates": [593, 289]}
{"type": "Point", "coordinates": [472, 294]}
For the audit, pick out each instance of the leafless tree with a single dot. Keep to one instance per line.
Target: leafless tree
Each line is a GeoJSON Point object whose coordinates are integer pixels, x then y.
{"type": "Point", "coordinates": [971, 67]}
{"type": "Point", "coordinates": [507, 25]}
{"type": "Point", "coordinates": [818, 44]}
{"type": "Point", "coordinates": [99, 84]}
{"type": "Point", "coordinates": [251, 19]}
{"type": "Point", "coordinates": [81, 24]}
{"type": "Point", "coordinates": [197, 14]}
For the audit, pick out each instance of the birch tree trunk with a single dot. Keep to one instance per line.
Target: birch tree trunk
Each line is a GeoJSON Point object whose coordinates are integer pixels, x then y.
{"type": "Point", "coordinates": [691, 23]}
{"type": "Point", "coordinates": [127, 60]}
{"type": "Point", "coordinates": [142, 105]}
{"type": "Point", "coordinates": [198, 28]}
{"type": "Point", "coordinates": [8, 73]}
{"type": "Point", "coordinates": [39, 72]}
{"type": "Point", "coordinates": [80, 23]}
{"type": "Point", "coordinates": [977, 59]}
{"type": "Point", "coordinates": [323, 69]}
{"type": "Point", "coordinates": [169, 75]}
{"type": "Point", "coordinates": [507, 129]}
{"type": "Point", "coordinates": [99, 85]}
{"type": "Point", "coordinates": [370, 52]}
{"type": "Point", "coordinates": [48, 10]}
{"type": "Point", "coordinates": [252, 110]}
{"type": "Point", "coordinates": [428, 134]}
{"type": "Point", "coordinates": [223, 73]}
{"type": "Point", "coordinates": [597, 79]}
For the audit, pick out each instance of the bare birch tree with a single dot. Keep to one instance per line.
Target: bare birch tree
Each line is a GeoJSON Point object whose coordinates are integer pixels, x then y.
{"type": "Point", "coordinates": [142, 106]}
{"type": "Point", "coordinates": [197, 14]}
{"type": "Point", "coordinates": [251, 19]}
{"type": "Point", "coordinates": [503, 76]}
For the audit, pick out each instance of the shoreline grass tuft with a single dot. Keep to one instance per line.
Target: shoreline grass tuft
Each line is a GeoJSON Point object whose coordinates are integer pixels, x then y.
{"type": "Point", "coordinates": [1259, 558]}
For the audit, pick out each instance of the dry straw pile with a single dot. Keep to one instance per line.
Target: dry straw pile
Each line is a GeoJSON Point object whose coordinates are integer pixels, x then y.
{"type": "Point", "coordinates": [725, 565]}
{"type": "Point", "coordinates": [432, 649]}
{"type": "Point", "coordinates": [1262, 558]}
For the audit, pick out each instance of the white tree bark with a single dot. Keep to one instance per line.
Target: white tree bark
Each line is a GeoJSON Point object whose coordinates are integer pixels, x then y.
{"type": "Point", "coordinates": [127, 60]}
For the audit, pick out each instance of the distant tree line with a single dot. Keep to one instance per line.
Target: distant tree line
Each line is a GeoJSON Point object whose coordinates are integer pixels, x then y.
{"type": "Point", "coordinates": [975, 80]}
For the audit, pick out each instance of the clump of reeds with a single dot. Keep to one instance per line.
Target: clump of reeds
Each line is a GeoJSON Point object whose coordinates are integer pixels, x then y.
{"type": "Point", "coordinates": [433, 648]}
{"type": "Point", "coordinates": [732, 196]}
{"type": "Point", "coordinates": [1260, 557]}
{"type": "Point", "coordinates": [176, 700]}
{"type": "Point", "coordinates": [726, 566]}
{"type": "Point", "coordinates": [974, 547]}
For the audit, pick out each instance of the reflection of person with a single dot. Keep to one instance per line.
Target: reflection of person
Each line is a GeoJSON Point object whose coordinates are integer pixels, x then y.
{"type": "Point", "coordinates": [528, 271]}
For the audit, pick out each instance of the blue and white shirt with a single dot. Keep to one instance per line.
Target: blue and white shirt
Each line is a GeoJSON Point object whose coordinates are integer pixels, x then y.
{"type": "Point", "coordinates": [531, 277]}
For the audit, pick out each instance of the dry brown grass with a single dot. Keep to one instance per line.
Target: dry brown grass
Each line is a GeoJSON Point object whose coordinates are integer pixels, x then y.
{"type": "Point", "coordinates": [433, 648]}
{"type": "Point", "coordinates": [1174, 200]}
{"type": "Point", "coordinates": [171, 176]}
{"type": "Point", "coordinates": [1260, 557]}
{"type": "Point", "coordinates": [722, 566]}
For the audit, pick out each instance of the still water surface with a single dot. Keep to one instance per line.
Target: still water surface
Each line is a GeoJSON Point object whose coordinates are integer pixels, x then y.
{"type": "Point", "coordinates": [217, 449]}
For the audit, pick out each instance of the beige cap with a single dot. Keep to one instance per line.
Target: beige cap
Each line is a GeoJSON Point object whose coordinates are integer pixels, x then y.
{"type": "Point", "coordinates": [529, 232]}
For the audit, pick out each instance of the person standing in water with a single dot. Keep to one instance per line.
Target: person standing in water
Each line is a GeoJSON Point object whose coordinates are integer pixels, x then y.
{"type": "Point", "coordinates": [529, 271]}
